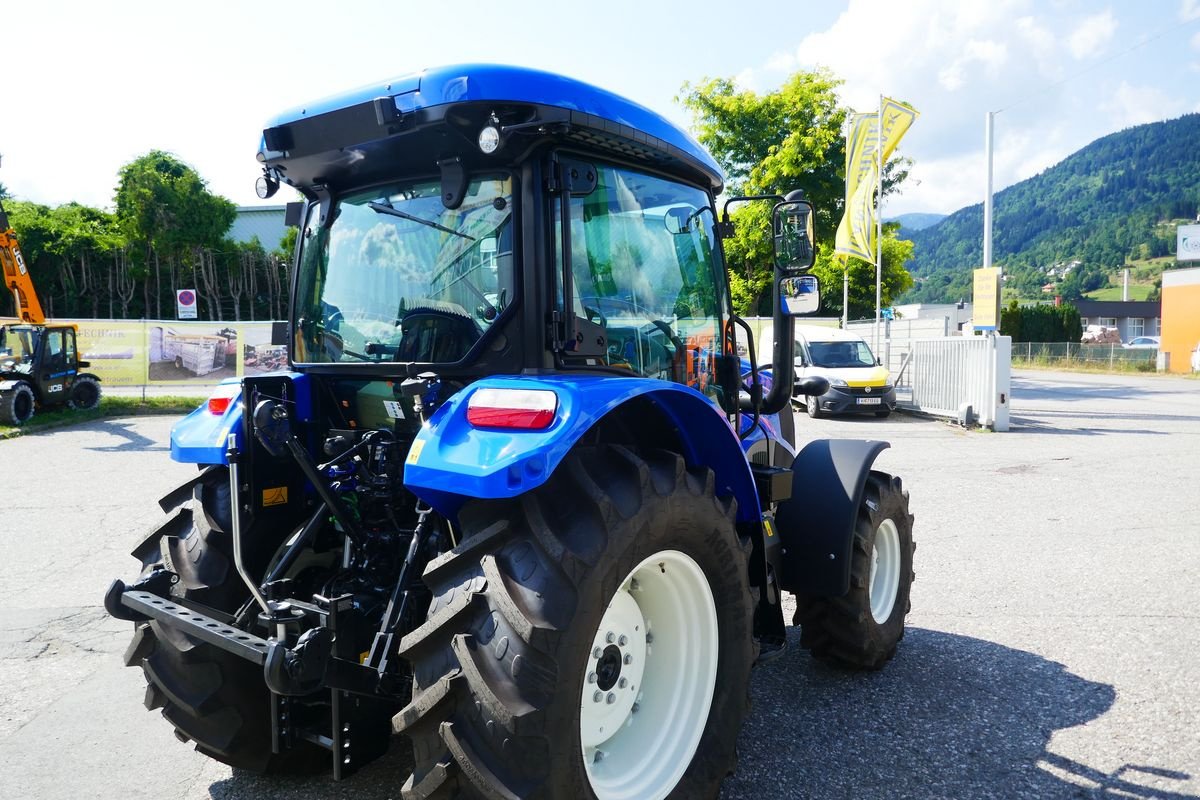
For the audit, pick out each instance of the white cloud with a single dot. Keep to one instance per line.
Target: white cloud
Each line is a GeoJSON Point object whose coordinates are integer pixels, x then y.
{"type": "Point", "coordinates": [1092, 35]}
{"type": "Point", "coordinates": [1136, 105]}
{"type": "Point", "coordinates": [1189, 10]}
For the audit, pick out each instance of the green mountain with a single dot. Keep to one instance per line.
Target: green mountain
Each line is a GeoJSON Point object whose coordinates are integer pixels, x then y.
{"type": "Point", "coordinates": [1117, 199]}
{"type": "Point", "coordinates": [915, 221]}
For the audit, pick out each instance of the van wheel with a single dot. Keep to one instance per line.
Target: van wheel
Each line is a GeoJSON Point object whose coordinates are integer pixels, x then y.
{"type": "Point", "coordinates": [813, 406]}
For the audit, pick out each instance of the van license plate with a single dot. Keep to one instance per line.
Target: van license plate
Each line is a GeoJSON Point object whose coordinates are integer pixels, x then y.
{"type": "Point", "coordinates": [869, 401]}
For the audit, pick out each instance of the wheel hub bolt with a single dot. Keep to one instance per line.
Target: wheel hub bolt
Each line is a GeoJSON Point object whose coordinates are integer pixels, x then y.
{"type": "Point", "coordinates": [628, 659]}
{"type": "Point", "coordinates": [597, 653]}
{"type": "Point", "coordinates": [612, 698]}
{"type": "Point", "coordinates": [610, 637]}
{"type": "Point", "coordinates": [597, 697]}
{"type": "Point", "coordinates": [623, 683]}
{"type": "Point", "coordinates": [622, 640]}
{"type": "Point", "coordinates": [591, 677]}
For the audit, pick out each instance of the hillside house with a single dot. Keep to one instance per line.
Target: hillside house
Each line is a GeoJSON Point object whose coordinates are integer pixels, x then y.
{"type": "Point", "coordinates": [1131, 318]}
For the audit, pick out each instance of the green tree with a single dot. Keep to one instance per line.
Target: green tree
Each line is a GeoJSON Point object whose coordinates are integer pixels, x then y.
{"type": "Point", "coordinates": [894, 280]}
{"type": "Point", "coordinates": [772, 143]}
{"type": "Point", "coordinates": [168, 214]}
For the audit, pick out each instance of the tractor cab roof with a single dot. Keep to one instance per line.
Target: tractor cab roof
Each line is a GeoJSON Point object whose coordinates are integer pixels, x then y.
{"type": "Point", "coordinates": [412, 122]}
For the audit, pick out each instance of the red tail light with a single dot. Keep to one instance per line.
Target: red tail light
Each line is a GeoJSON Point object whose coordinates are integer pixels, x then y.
{"type": "Point", "coordinates": [219, 405]}
{"type": "Point", "coordinates": [520, 409]}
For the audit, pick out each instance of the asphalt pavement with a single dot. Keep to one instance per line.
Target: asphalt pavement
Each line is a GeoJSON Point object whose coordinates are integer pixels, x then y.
{"type": "Point", "coordinates": [1051, 649]}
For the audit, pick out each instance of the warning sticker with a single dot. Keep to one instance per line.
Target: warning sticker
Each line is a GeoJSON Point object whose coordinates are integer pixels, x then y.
{"type": "Point", "coordinates": [415, 451]}
{"type": "Point", "coordinates": [394, 410]}
{"type": "Point", "coordinates": [274, 497]}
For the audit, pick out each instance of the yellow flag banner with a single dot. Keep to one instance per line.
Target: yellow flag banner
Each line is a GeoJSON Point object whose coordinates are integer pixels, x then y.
{"type": "Point", "coordinates": [856, 231]}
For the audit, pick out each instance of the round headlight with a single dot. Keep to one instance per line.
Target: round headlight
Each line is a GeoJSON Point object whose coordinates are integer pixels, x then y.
{"type": "Point", "coordinates": [489, 139]}
{"type": "Point", "coordinates": [264, 187]}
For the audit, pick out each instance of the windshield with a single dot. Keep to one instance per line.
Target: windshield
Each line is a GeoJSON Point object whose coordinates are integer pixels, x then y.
{"type": "Point", "coordinates": [841, 354]}
{"type": "Point", "coordinates": [398, 276]}
{"type": "Point", "coordinates": [17, 343]}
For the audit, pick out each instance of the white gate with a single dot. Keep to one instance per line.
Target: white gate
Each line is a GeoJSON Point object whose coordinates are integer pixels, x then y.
{"type": "Point", "coordinates": [946, 376]}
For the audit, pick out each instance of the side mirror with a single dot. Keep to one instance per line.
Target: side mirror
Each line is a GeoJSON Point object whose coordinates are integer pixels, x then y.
{"type": "Point", "coordinates": [799, 296]}
{"type": "Point", "coordinates": [792, 229]}
{"type": "Point", "coordinates": [812, 386]}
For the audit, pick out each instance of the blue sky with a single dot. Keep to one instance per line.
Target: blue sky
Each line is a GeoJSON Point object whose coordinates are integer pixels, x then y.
{"type": "Point", "coordinates": [90, 86]}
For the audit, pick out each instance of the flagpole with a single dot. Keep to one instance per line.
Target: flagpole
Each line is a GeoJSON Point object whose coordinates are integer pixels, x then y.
{"type": "Point", "coordinates": [879, 223]}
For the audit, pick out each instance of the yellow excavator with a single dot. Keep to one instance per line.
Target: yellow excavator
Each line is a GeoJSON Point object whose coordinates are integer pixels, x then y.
{"type": "Point", "coordinates": [39, 363]}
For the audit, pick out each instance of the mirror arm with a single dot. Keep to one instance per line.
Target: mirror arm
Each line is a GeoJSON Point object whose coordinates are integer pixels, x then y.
{"type": "Point", "coordinates": [783, 369]}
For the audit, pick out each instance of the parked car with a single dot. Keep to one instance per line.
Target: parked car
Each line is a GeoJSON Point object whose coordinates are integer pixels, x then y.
{"type": "Point", "coordinates": [1143, 343]}
{"type": "Point", "coordinates": [857, 382]}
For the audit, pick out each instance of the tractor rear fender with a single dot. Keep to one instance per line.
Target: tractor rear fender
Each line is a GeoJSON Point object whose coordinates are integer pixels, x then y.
{"type": "Point", "coordinates": [202, 436]}
{"type": "Point", "coordinates": [453, 460]}
{"type": "Point", "coordinates": [816, 525]}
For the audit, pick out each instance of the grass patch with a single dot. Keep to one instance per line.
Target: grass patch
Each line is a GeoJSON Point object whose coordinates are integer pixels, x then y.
{"type": "Point", "coordinates": [109, 407]}
{"type": "Point", "coordinates": [1137, 291]}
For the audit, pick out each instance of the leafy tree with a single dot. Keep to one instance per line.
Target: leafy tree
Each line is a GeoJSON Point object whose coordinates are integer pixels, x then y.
{"type": "Point", "coordinates": [773, 143]}
{"type": "Point", "coordinates": [4, 195]}
{"type": "Point", "coordinates": [894, 280]}
{"type": "Point", "coordinates": [167, 212]}
{"type": "Point", "coordinates": [1041, 323]}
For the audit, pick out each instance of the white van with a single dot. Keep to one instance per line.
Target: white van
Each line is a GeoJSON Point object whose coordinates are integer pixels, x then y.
{"type": "Point", "coordinates": [857, 383]}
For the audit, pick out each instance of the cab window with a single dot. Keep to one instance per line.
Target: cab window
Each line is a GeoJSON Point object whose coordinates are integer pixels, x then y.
{"type": "Point", "coordinates": [644, 267]}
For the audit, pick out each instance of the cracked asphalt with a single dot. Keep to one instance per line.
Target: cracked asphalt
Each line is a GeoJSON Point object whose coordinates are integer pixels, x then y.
{"type": "Point", "coordinates": [1051, 652]}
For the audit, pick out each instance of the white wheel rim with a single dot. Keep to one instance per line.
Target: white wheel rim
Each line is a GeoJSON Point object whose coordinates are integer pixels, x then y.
{"type": "Point", "coordinates": [885, 571]}
{"type": "Point", "coordinates": [640, 725]}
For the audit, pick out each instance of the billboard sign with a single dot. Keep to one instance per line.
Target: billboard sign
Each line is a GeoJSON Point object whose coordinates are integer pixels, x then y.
{"type": "Point", "coordinates": [987, 299]}
{"type": "Point", "coordinates": [1187, 243]}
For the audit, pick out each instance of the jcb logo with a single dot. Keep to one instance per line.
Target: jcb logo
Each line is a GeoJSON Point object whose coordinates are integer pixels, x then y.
{"type": "Point", "coordinates": [20, 262]}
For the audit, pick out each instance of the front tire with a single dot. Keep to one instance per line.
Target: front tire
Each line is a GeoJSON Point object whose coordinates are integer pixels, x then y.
{"type": "Point", "coordinates": [85, 393]}
{"type": "Point", "coordinates": [861, 629]}
{"type": "Point", "coordinates": [813, 407]}
{"type": "Point", "coordinates": [17, 405]}
{"type": "Point", "coordinates": [517, 643]}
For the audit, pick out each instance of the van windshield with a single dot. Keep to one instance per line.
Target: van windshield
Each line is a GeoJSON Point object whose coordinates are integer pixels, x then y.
{"type": "Point", "coordinates": [841, 354]}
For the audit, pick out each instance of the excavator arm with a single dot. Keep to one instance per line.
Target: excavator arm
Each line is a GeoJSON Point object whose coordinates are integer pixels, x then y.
{"type": "Point", "coordinates": [16, 275]}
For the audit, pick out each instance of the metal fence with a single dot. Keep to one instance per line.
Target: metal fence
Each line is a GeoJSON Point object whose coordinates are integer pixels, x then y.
{"type": "Point", "coordinates": [1101, 355]}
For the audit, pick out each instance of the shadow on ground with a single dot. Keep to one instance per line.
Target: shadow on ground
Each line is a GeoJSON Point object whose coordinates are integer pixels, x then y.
{"type": "Point", "coordinates": [950, 717]}
{"type": "Point", "coordinates": [133, 439]}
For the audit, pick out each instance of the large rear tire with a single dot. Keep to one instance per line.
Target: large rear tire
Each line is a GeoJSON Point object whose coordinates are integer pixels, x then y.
{"type": "Point", "coordinates": [527, 670]}
{"type": "Point", "coordinates": [211, 697]}
{"type": "Point", "coordinates": [17, 405]}
{"type": "Point", "coordinates": [862, 628]}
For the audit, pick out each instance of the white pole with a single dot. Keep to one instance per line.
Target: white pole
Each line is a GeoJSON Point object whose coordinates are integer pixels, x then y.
{"type": "Point", "coordinates": [845, 295]}
{"type": "Point", "coordinates": [987, 198]}
{"type": "Point", "coordinates": [879, 222]}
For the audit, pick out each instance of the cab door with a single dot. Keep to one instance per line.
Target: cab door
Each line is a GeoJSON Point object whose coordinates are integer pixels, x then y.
{"type": "Point", "coordinates": [56, 368]}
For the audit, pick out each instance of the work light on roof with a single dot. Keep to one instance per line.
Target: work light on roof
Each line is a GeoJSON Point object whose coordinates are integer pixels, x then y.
{"type": "Point", "coordinates": [489, 139]}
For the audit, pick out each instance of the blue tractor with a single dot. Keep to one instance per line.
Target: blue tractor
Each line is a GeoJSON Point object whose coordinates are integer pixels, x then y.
{"type": "Point", "coordinates": [517, 497]}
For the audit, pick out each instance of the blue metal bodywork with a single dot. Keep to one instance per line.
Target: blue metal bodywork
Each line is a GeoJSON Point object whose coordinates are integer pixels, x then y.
{"type": "Point", "coordinates": [202, 437]}
{"type": "Point", "coordinates": [453, 460]}
{"type": "Point", "coordinates": [463, 83]}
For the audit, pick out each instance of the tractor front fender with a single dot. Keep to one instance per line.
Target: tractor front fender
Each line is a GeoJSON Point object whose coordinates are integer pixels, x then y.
{"type": "Point", "coordinates": [453, 460]}
{"type": "Point", "coordinates": [816, 526]}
